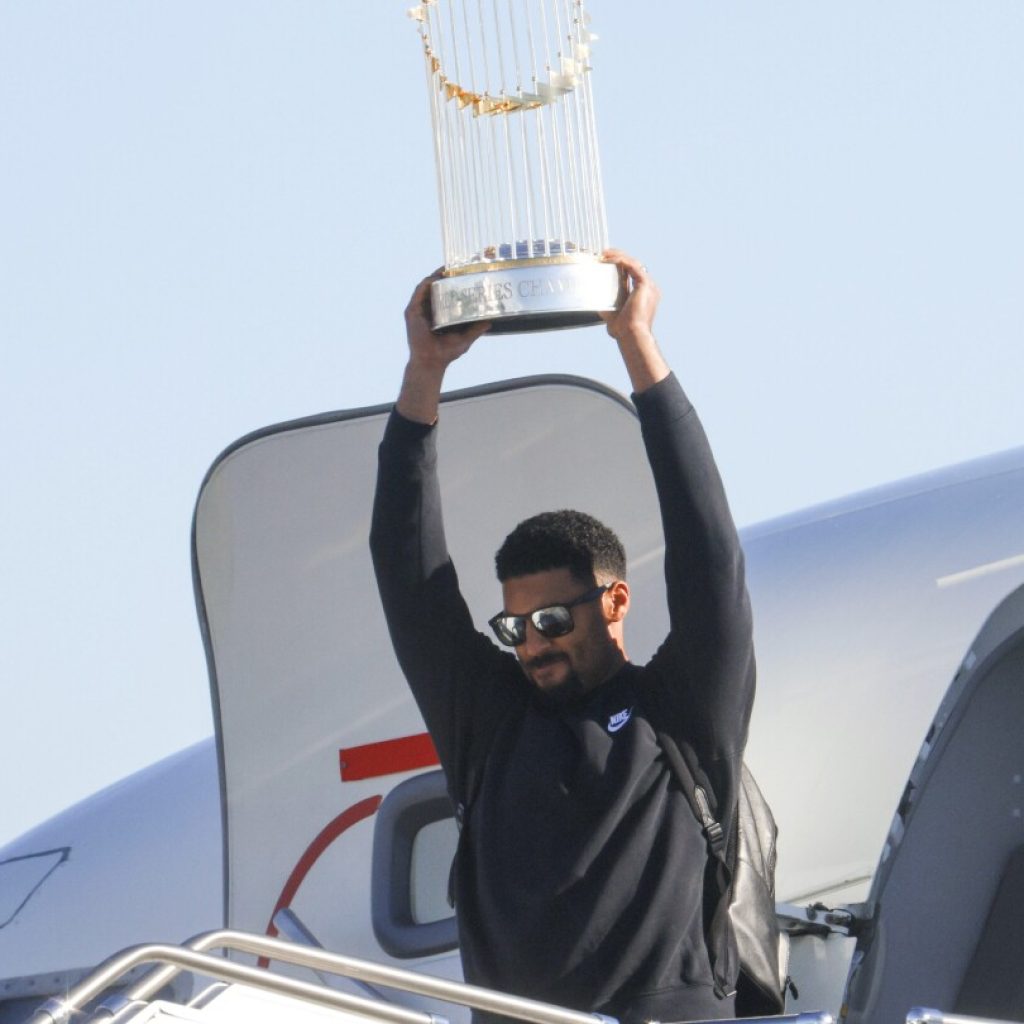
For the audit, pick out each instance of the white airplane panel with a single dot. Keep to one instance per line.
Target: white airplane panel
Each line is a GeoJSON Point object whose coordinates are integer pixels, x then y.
{"type": "Point", "coordinates": [863, 610]}
{"type": "Point", "coordinates": [100, 875]}
{"type": "Point", "coordinates": [302, 661]}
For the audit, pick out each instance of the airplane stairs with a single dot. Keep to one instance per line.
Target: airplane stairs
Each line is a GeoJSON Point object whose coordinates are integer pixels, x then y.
{"type": "Point", "coordinates": [236, 992]}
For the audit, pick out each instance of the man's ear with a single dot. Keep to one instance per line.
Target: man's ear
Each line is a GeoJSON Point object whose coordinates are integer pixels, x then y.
{"type": "Point", "coordinates": [618, 601]}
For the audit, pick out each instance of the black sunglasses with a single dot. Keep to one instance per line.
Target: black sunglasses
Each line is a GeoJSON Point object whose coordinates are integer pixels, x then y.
{"type": "Point", "coordinates": [555, 620]}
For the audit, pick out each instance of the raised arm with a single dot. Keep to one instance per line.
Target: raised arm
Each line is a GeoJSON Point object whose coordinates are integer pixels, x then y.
{"type": "Point", "coordinates": [708, 658]}
{"type": "Point", "coordinates": [445, 660]}
{"type": "Point", "coordinates": [709, 653]}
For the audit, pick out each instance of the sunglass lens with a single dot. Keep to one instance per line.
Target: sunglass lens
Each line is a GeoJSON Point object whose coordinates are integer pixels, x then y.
{"type": "Point", "coordinates": [511, 630]}
{"type": "Point", "coordinates": [554, 621]}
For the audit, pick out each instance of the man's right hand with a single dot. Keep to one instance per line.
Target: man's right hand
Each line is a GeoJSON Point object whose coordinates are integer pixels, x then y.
{"type": "Point", "coordinates": [632, 326]}
{"type": "Point", "coordinates": [430, 354]}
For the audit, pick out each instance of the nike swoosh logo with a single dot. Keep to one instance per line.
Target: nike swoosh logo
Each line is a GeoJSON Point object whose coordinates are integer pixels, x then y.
{"type": "Point", "coordinates": [617, 721]}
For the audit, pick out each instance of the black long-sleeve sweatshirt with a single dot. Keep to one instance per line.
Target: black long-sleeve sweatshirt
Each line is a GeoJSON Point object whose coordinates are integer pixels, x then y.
{"type": "Point", "coordinates": [579, 878]}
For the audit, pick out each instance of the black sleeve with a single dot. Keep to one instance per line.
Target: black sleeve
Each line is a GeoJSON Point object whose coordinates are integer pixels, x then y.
{"type": "Point", "coordinates": [704, 672]}
{"type": "Point", "coordinates": [459, 678]}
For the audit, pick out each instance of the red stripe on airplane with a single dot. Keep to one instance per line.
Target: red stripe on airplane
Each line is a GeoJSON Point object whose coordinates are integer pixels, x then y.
{"type": "Point", "coordinates": [330, 832]}
{"type": "Point", "coordinates": [389, 757]}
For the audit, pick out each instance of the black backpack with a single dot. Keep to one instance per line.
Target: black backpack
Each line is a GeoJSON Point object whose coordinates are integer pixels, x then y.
{"type": "Point", "coordinates": [740, 886]}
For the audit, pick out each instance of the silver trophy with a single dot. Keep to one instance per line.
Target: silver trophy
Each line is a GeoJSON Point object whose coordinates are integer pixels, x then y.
{"type": "Point", "coordinates": [518, 174]}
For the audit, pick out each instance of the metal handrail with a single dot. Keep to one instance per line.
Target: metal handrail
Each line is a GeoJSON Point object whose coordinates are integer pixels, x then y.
{"type": "Point", "coordinates": [817, 1017]}
{"type": "Point", "coordinates": [60, 1011]}
{"type": "Point", "coordinates": [305, 956]}
{"type": "Point", "coordinates": [925, 1015]}
{"type": "Point", "coordinates": [293, 929]}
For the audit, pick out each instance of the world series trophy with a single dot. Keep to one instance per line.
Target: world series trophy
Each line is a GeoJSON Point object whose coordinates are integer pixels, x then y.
{"type": "Point", "coordinates": [518, 175]}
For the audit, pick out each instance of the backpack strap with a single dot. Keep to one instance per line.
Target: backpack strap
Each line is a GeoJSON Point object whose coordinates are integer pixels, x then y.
{"type": "Point", "coordinates": [718, 875]}
{"type": "Point", "coordinates": [462, 798]}
{"type": "Point", "coordinates": [696, 792]}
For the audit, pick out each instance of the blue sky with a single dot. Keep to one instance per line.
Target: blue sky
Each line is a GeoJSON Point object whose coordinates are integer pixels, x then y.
{"type": "Point", "coordinates": [211, 216]}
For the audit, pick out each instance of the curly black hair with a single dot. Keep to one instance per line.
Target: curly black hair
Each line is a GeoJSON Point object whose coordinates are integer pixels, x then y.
{"type": "Point", "coordinates": [565, 539]}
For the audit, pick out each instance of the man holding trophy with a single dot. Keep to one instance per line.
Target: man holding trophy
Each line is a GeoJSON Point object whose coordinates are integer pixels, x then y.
{"type": "Point", "coordinates": [579, 878]}
{"type": "Point", "coordinates": [580, 872]}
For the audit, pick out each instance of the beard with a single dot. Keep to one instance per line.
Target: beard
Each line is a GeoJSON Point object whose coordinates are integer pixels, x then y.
{"type": "Point", "coordinates": [569, 691]}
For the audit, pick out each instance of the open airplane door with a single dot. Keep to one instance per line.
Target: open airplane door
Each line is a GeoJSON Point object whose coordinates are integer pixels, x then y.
{"type": "Point", "coordinates": [315, 724]}
{"type": "Point", "coordinates": [944, 921]}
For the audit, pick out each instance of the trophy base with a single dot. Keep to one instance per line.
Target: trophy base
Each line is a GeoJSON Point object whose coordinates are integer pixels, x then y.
{"type": "Point", "coordinates": [534, 296]}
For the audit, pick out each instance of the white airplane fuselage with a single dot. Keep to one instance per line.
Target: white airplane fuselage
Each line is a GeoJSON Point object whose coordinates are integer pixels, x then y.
{"type": "Point", "coordinates": [864, 608]}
